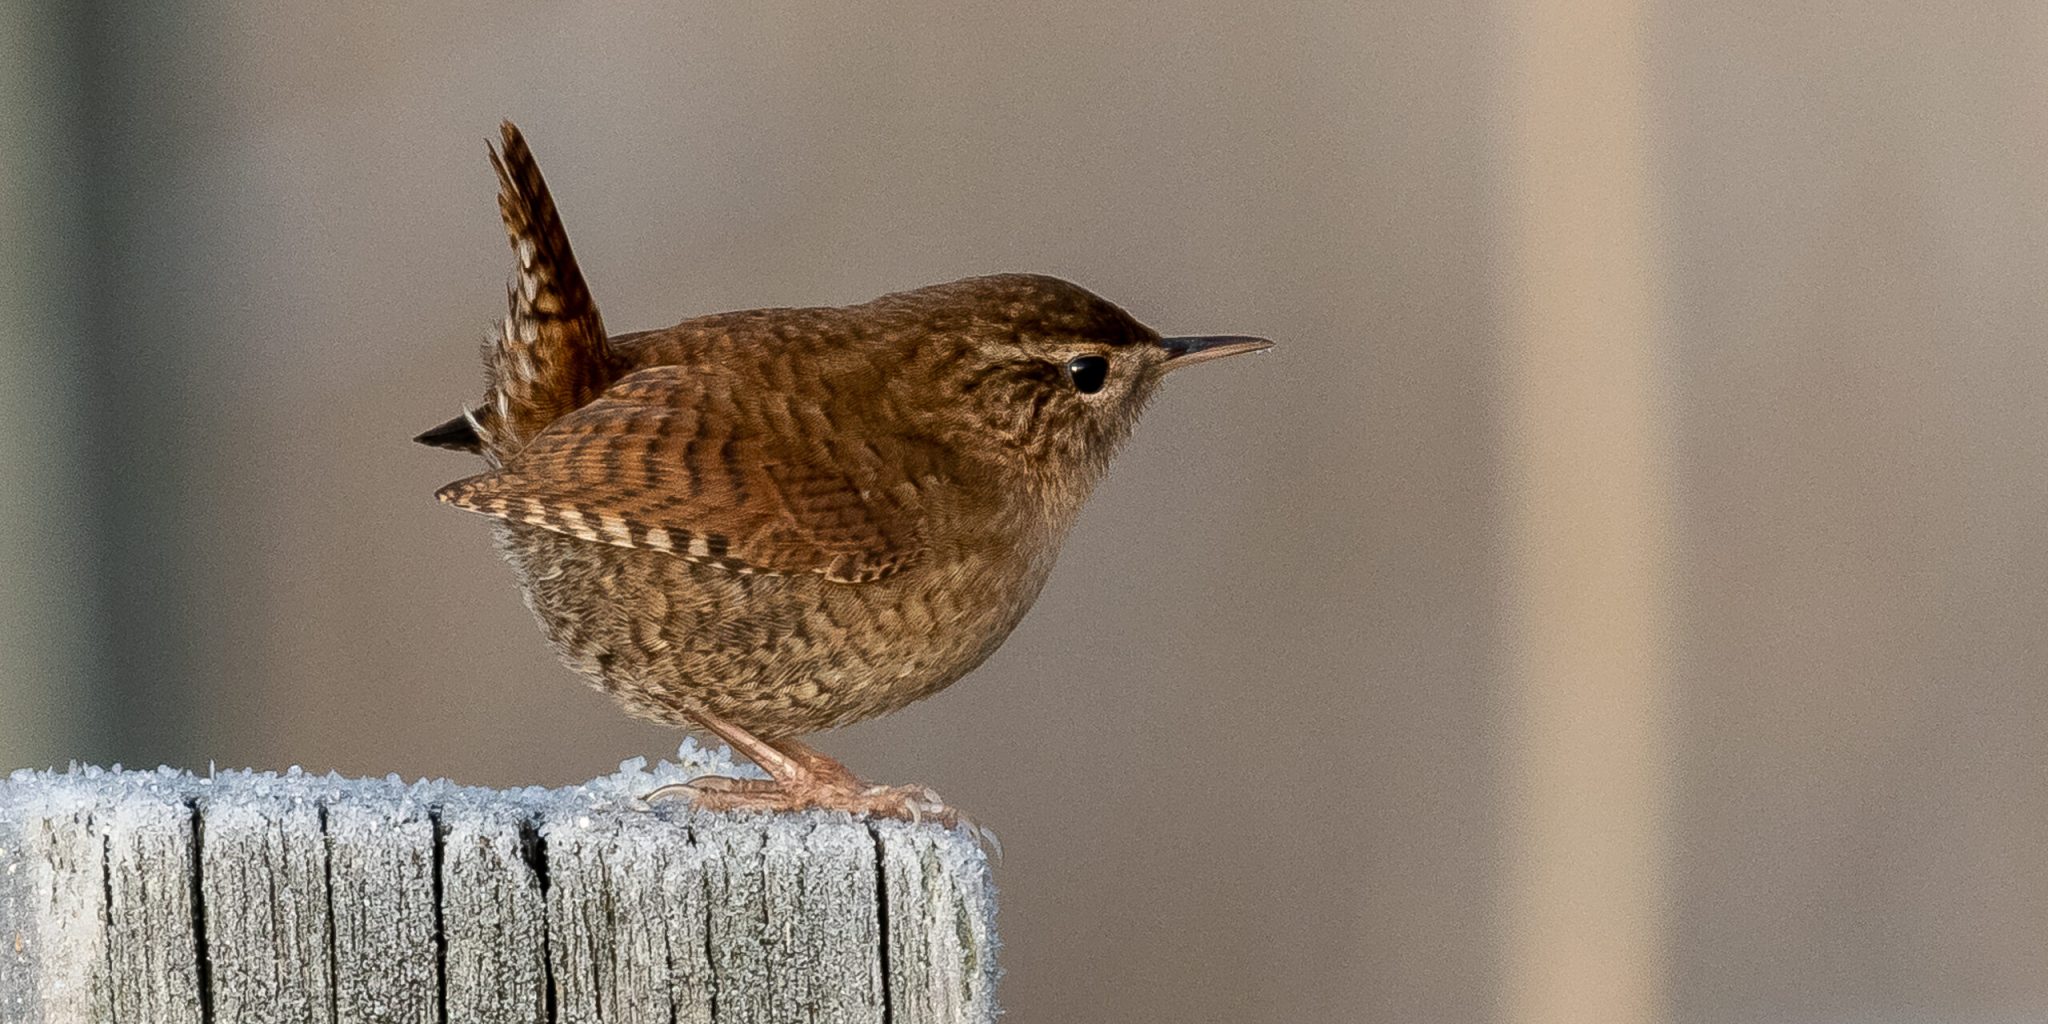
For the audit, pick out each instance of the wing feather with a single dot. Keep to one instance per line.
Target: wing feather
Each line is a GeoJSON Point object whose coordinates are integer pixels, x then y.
{"type": "Point", "coordinates": [664, 460]}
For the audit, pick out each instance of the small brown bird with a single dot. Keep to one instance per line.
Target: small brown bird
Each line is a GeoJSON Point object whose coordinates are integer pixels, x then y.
{"type": "Point", "coordinates": [768, 523]}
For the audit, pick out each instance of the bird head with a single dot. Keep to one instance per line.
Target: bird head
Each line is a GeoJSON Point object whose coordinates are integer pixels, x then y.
{"type": "Point", "coordinates": [1034, 374]}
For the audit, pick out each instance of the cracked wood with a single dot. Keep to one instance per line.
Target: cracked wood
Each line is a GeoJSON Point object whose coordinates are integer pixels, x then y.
{"type": "Point", "coordinates": [160, 897]}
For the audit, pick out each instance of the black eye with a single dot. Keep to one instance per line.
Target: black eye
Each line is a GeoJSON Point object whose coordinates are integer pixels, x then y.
{"type": "Point", "coordinates": [1088, 373]}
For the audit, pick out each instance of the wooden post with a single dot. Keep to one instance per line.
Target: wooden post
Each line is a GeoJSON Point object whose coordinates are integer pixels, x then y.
{"type": "Point", "coordinates": [164, 898]}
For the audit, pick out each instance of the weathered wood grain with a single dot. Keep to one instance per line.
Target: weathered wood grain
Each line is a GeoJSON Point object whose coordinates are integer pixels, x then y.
{"type": "Point", "coordinates": [264, 881]}
{"type": "Point", "coordinates": [55, 923]}
{"type": "Point", "coordinates": [626, 919]}
{"type": "Point", "coordinates": [152, 940]}
{"type": "Point", "coordinates": [493, 913]}
{"type": "Point", "coordinates": [132, 896]}
{"type": "Point", "coordinates": [940, 910]}
{"type": "Point", "coordinates": [383, 873]}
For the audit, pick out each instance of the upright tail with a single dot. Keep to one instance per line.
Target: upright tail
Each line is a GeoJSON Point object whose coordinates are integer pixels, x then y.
{"type": "Point", "coordinates": [550, 357]}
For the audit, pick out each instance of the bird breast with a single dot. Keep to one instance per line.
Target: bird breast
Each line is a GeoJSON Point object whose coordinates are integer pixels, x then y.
{"type": "Point", "coordinates": [779, 655]}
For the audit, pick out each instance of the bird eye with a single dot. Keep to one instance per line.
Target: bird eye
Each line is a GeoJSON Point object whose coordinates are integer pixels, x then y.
{"type": "Point", "coordinates": [1088, 373]}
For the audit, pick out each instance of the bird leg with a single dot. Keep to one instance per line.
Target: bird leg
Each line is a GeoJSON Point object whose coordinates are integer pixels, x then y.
{"type": "Point", "coordinates": [801, 777]}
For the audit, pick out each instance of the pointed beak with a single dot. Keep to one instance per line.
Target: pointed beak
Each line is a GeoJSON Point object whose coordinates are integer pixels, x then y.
{"type": "Point", "coordinates": [1189, 351]}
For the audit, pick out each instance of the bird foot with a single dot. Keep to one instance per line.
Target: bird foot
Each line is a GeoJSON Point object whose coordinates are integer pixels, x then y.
{"type": "Point", "coordinates": [914, 804]}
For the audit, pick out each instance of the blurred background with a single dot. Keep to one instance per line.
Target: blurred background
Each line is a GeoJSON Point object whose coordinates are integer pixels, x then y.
{"type": "Point", "coordinates": [1620, 597]}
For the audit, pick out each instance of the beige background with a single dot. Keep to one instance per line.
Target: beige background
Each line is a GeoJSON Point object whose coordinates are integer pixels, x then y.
{"type": "Point", "coordinates": [1619, 598]}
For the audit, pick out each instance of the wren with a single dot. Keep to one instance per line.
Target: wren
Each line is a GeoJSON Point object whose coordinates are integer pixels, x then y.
{"type": "Point", "coordinates": [768, 523]}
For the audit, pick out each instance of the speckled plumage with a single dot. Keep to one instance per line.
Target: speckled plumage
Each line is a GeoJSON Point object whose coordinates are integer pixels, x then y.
{"type": "Point", "coordinates": [791, 519]}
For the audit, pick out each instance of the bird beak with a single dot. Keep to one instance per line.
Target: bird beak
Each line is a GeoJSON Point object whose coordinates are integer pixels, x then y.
{"type": "Point", "coordinates": [1189, 351]}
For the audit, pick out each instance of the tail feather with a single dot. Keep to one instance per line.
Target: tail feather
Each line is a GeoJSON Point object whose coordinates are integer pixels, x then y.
{"type": "Point", "coordinates": [459, 434]}
{"type": "Point", "coordinates": [550, 357]}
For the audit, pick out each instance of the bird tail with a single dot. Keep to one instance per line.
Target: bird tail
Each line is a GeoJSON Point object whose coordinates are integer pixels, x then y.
{"type": "Point", "coordinates": [549, 357]}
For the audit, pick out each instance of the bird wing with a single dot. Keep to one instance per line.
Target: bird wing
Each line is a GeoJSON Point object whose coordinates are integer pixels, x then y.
{"type": "Point", "coordinates": [665, 460]}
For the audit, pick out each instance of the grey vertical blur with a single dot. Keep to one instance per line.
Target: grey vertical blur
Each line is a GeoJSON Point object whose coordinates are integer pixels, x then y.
{"type": "Point", "coordinates": [1860, 272]}
{"type": "Point", "coordinates": [1246, 756]}
{"type": "Point", "coordinates": [116, 527]}
{"type": "Point", "coordinates": [51, 669]}
{"type": "Point", "coordinates": [160, 400]}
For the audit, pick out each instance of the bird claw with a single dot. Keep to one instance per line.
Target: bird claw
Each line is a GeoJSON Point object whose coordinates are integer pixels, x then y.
{"type": "Point", "coordinates": [984, 837]}
{"type": "Point", "coordinates": [914, 804]}
{"type": "Point", "coordinates": [670, 791]}
{"type": "Point", "coordinates": [911, 802]}
{"type": "Point", "coordinates": [905, 803]}
{"type": "Point", "coordinates": [804, 779]}
{"type": "Point", "coordinates": [727, 784]}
